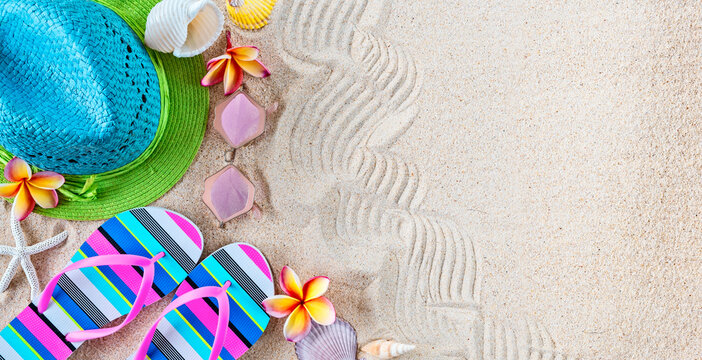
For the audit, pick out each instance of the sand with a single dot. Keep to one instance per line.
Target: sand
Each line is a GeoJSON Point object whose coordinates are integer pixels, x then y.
{"type": "Point", "coordinates": [487, 180]}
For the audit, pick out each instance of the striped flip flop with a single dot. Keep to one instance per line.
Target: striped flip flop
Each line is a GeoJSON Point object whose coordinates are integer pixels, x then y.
{"type": "Point", "coordinates": [217, 311]}
{"type": "Point", "coordinates": [132, 260]}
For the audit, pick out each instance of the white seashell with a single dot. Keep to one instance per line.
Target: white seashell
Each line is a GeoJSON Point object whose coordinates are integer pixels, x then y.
{"type": "Point", "coordinates": [334, 342]}
{"type": "Point", "coordinates": [184, 27]}
{"type": "Point", "coordinates": [386, 349]}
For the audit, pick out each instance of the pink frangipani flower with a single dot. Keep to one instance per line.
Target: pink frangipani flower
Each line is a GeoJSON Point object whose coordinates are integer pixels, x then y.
{"type": "Point", "coordinates": [303, 304]}
{"type": "Point", "coordinates": [229, 68]}
{"type": "Point", "coordinates": [29, 189]}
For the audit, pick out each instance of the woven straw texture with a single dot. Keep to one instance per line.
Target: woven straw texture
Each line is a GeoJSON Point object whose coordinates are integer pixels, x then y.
{"type": "Point", "coordinates": [98, 97]}
{"type": "Point", "coordinates": [183, 118]}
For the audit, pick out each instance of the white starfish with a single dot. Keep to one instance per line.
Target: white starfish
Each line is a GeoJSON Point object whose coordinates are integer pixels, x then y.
{"type": "Point", "coordinates": [20, 256]}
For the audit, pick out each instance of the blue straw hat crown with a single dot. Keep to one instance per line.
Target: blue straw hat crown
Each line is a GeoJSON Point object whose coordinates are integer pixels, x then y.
{"type": "Point", "coordinates": [90, 102]}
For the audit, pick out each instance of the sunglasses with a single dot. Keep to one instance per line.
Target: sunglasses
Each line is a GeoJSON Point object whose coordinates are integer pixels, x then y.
{"type": "Point", "coordinates": [229, 193]}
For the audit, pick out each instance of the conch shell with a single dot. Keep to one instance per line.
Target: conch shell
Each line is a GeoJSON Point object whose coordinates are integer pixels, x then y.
{"type": "Point", "coordinates": [386, 349]}
{"type": "Point", "coordinates": [184, 27]}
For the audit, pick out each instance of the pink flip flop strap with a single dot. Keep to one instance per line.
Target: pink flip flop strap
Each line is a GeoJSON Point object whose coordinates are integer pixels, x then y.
{"type": "Point", "coordinates": [106, 260]}
{"type": "Point", "coordinates": [220, 293]}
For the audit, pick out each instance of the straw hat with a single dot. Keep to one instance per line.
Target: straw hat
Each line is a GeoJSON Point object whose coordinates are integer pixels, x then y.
{"type": "Point", "coordinates": [80, 95]}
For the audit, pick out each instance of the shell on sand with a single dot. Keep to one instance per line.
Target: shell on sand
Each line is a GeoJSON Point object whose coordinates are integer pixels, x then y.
{"type": "Point", "coordinates": [250, 14]}
{"type": "Point", "coordinates": [386, 349]}
{"type": "Point", "coordinates": [334, 342]}
{"type": "Point", "coordinates": [183, 27]}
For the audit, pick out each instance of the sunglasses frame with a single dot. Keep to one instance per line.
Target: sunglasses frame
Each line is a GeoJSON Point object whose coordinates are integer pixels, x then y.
{"type": "Point", "coordinates": [250, 205]}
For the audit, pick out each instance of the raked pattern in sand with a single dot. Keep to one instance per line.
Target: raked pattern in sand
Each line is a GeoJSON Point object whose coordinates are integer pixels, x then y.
{"type": "Point", "coordinates": [485, 179]}
{"type": "Point", "coordinates": [366, 94]}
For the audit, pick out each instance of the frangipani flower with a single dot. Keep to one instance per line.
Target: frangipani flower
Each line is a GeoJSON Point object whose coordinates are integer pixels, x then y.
{"type": "Point", "coordinates": [230, 67]}
{"type": "Point", "coordinates": [303, 304]}
{"type": "Point", "coordinates": [29, 189]}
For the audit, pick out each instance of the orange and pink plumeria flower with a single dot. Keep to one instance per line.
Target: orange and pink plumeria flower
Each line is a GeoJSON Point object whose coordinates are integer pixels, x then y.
{"type": "Point", "coordinates": [29, 189]}
{"type": "Point", "coordinates": [229, 68]}
{"type": "Point", "coordinates": [304, 304]}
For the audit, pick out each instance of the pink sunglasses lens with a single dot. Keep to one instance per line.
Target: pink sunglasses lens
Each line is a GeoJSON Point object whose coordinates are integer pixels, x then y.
{"type": "Point", "coordinates": [239, 119]}
{"type": "Point", "coordinates": [228, 193]}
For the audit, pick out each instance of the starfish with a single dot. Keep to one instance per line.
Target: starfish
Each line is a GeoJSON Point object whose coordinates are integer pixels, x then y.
{"type": "Point", "coordinates": [20, 256]}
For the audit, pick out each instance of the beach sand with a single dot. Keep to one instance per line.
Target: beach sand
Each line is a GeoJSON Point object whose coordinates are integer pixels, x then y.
{"type": "Point", "coordinates": [486, 180]}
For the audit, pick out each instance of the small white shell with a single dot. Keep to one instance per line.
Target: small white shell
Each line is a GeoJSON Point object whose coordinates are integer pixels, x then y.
{"type": "Point", "coordinates": [386, 349]}
{"type": "Point", "coordinates": [184, 27]}
{"type": "Point", "coordinates": [334, 342]}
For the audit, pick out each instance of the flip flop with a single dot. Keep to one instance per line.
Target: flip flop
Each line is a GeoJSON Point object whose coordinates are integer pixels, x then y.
{"type": "Point", "coordinates": [217, 312]}
{"type": "Point", "coordinates": [132, 260]}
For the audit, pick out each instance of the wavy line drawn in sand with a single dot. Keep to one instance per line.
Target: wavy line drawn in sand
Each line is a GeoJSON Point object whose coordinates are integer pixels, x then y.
{"type": "Point", "coordinates": [365, 96]}
{"type": "Point", "coordinates": [437, 256]}
{"type": "Point", "coordinates": [530, 340]}
{"type": "Point", "coordinates": [434, 290]}
{"type": "Point", "coordinates": [380, 183]}
{"type": "Point", "coordinates": [348, 113]}
{"type": "Point", "coordinates": [319, 32]}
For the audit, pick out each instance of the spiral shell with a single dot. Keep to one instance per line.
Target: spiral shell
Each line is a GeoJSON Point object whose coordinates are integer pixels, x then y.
{"type": "Point", "coordinates": [386, 349]}
{"type": "Point", "coordinates": [250, 14]}
{"type": "Point", "coordinates": [184, 27]}
{"type": "Point", "coordinates": [334, 342]}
